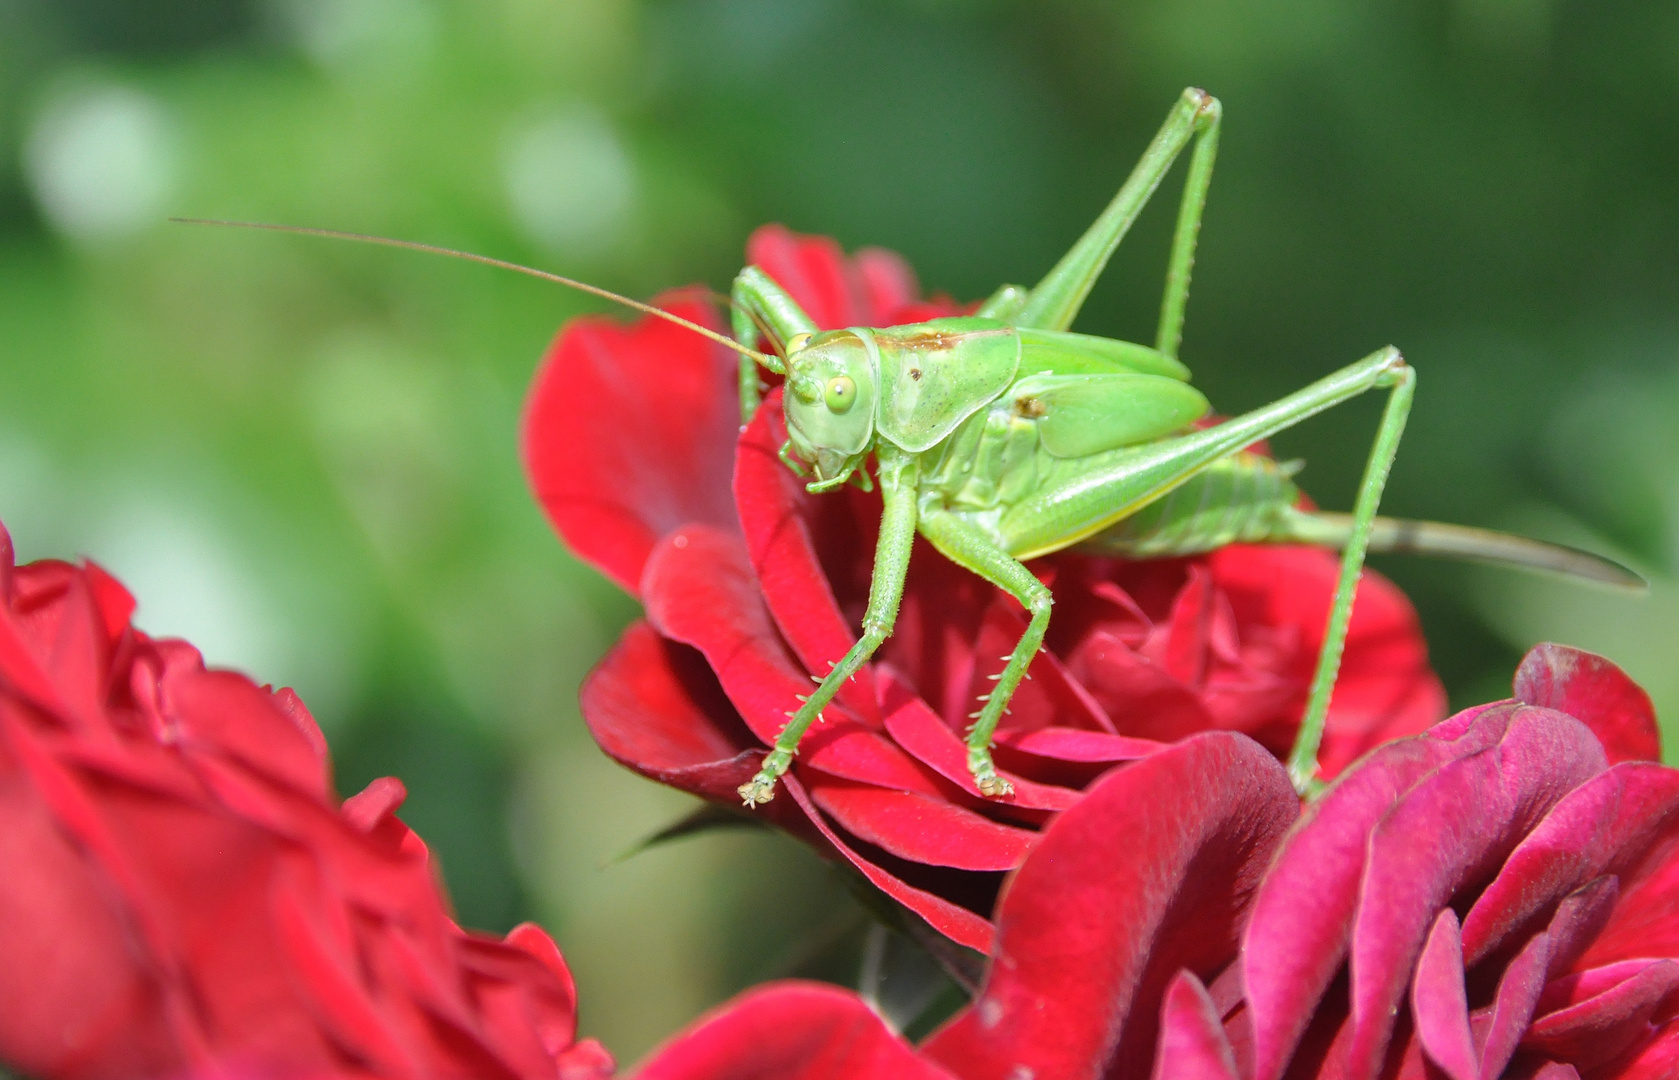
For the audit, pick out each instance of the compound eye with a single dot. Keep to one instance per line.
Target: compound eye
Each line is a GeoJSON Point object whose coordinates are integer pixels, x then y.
{"type": "Point", "coordinates": [842, 393]}
{"type": "Point", "coordinates": [798, 342]}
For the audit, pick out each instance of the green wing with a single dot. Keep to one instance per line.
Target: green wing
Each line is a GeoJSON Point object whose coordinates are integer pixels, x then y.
{"type": "Point", "coordinates": [934, 375]}
{"type": "Point", "coordinates": [1078, 415]}
{"type": "Point", "coordinates": [1056, 352]}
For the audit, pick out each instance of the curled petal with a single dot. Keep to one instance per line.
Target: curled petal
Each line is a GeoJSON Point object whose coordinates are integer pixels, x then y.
{"type": "Point", "coordinates": [1440, 1004]}
{"type": "Point", "coordinates": [1192, 1041]}
{"type": "Point", "coordinates": [1615, 823]}
{"type": "Point", "coordinates": [629, 432]}
{"type": "Point", "coordinates": [1594, 691]}
{"type": "Point", "coordinates": [1606, 1011]}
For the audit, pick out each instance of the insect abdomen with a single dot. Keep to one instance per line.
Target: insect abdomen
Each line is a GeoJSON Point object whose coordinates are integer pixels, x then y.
{"type": "Point", "coordinates": [1239, 499]}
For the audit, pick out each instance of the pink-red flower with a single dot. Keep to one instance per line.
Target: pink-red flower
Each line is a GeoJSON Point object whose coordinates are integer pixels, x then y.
{"type": "Point", "coordinates": [751, 584]}
{"type": "Point", "coordinates": [1495, 898]}
{"type": "Point", "coordinates": [1499, 897]}
{"type": "Point", "coordinates": [181, 893]}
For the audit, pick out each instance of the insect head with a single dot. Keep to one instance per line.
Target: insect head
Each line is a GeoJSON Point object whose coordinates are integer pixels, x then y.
{"type": "Point", "coordinates": [830, 402]}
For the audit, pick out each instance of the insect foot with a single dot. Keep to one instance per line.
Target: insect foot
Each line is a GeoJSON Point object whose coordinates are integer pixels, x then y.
{"type": "Point", "coordinates": [985, 775]}
{"type": "Point", "coordinates": [761, 788]}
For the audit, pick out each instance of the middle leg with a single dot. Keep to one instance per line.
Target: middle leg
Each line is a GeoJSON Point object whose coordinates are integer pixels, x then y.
{"type": "Point", "coordinates": [970, 548]}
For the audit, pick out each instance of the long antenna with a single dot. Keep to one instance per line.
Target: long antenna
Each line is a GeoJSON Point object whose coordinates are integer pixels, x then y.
{"type": "Point", "coordinates": [772, 363]}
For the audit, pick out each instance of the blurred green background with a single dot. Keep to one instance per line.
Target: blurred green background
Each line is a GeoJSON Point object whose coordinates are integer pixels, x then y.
{"type": "Point", "coordinates": [301, 454]}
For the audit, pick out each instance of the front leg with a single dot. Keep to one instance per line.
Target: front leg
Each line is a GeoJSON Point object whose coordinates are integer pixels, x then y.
{"type": "Point", "coordinates": [757, 303]}
{"type": "Point", "coordinates": [971, 548]}
{"type": "Point", "coordinates": [898, 477]}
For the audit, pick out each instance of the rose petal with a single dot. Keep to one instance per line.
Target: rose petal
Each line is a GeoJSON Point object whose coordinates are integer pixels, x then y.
{"type": "Point", "coordinates": [834, 291]}
{"type": "Point", "coordinates": [1386, 688]}
{"type": "Point", "coordinates": [783, 551]}
{"type": "Point", "coordinates": [1612, 823]}
{"type": "Point", "coordinates": [654, 706]}
{"type": "Point", "coordinates": [953, 921]}
{"type": "Point", "coordinates": [922, 828]}
{"type": "Point", "coordinates": [1077, 744]}
{"type": "Point", "coordinates": [699, 590]}
{"type": "Point", "coordinates": [1192, 1041]}
{"type": "Point", "coordinates": [629, 432]}
{"type": "Point", "coordinates": [1499, 1033]}
{"type": "Point", "coordinates": [1149, 875]}
{"type": "Point", "coordinates": [1439, 1003]}
{"type": "Point", "coordinates": [1049, 696]}
{"type": "Point", "coordinates": [789, 1031]}
{"type": "Point", "coordinates": [1451, 828]}
{"type": "Point", "coordinates": [1143, 699]}
{"type": "Point", "coordinates": [1597, 693]}
{"type": "Point", "coordinates": [1657, 1059]}
{"type": "Point", "coordinates": [1612, 1020]}
{"type": "Point", "coordinates": [1303, 916]}
{"type": "Point", "coordinates": [915, 728]}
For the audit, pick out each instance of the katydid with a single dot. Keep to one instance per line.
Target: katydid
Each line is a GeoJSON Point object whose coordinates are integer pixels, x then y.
{"type": "Point", "coordinates": [1002, 436]}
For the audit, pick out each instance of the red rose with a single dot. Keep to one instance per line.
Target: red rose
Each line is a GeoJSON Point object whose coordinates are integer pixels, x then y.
{"type": "Point", "coordinates": [183, 894]}
{"type": "Point", "coordinates": [750, 584]}
{"type": "Point", "coordinates": [1496, 898]}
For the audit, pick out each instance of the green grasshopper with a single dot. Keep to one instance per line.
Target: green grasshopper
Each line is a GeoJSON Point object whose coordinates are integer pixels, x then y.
{"type": "Point", "coordinates": [1001, 436]}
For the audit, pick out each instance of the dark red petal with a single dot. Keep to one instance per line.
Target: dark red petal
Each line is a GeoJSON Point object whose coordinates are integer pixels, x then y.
{"type": "Point", "coordinates": [890, 290]}
{"type": "Point", "coordinates": [1454, 827]}
{"type": "Point", "coordinates": [1611, 824]}
{"type": "Point", "coordinates": [1303, 916]}
{"type": "Point", "coordinates": [1192, 1041]}
{"type": "Point", "coordinates": [921, 828]}
{"type": "Point", "coordinates": [586, 1059]}
{"type": "Point", "coordinates": [1142, 698]}
{"type": "Point", "coordinates": [1657, 1059]}
{"type": "Point", "coordinates": [929, 739]}
{"type": "Point", "coordinates": [629, 432]}
{"type": "Point", "coordinates": [1386, 688]}
{"type": "Point", "coordinates": [1598, 694]}
{"type": "Point", "coordinates": [1077, 744]}
{"type": "Point", "coordinates": [1148, 875]}
{"type": "Point", "coordinates": [1556, 1070]}
{"type": "Point", "coordinates": [1610, 1021]}
{"type": "Point", "coordinates": [535, 941]}
{"type": "Point", "coordinates": [953, 921]}
{"type": "Point", "coordinates": [68, 1003]}
{"type": "Point", "coordinates": [1049, 696]}
{"type": "Point", "coordinates": [655, 707]}
{"type": "Point", "coordinates": [789, 1031]}
{"type": "Point", "coordinates": [699, 590]}
{"type": "Point", "coordinates": [783, 544]}
{"type": "Point", "coordinates": [833, 290]}
{"type": "Point", "coordinates": [646, 704]}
